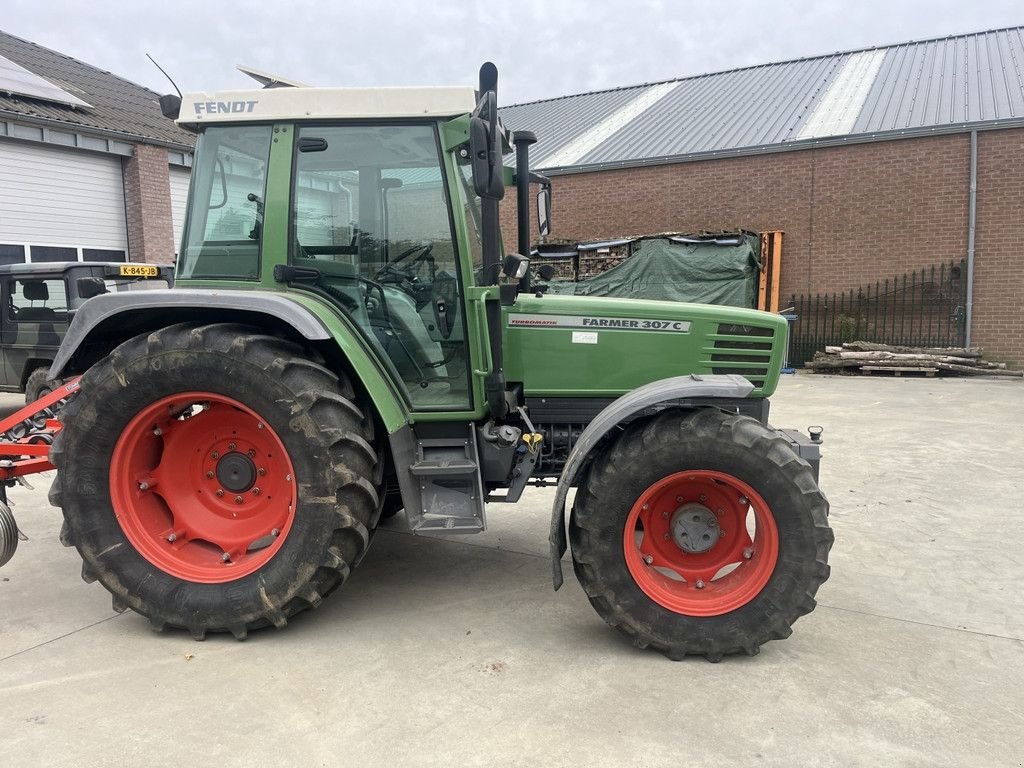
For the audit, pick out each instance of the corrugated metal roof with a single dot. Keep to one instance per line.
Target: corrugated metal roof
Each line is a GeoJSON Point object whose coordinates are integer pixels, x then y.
{"type": "Point", "coordinates": [117, 106]}
{"type": "Point", "coordinates": [971, 80]}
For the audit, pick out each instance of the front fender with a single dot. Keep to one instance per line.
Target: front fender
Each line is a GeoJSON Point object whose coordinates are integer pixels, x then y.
{"type": "Point", "coordinates": [666, 393]}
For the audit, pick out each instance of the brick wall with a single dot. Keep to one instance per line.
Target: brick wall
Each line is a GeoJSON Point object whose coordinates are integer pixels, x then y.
{"type": "Point", "coordinates": [147, 200]}
{"type": "Point", "coordinates": [851, 215]}
{"type": "Point", "coordinates": [999, 246]}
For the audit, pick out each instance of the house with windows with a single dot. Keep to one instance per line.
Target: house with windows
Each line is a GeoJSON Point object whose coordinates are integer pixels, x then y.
{"type": "Point", "coordinates": [90, 170]}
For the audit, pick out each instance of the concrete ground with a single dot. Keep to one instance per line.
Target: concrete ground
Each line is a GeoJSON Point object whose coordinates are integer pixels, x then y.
{"type": "Point", "coordinates": [456, 651]}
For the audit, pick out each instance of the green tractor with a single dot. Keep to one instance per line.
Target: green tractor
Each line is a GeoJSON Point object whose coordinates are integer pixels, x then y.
{"type": "Point", "coordinates": [347, 338]}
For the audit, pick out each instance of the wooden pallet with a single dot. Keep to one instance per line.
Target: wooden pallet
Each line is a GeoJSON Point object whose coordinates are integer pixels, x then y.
{"type": "Point", "coordinates": [896, 371]}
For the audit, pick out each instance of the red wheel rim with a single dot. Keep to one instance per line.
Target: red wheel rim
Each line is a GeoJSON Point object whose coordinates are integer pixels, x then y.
{"type": "Point", "coordinates": [701, 543]}
{"type": "Point", "coordinates": [202, 487]}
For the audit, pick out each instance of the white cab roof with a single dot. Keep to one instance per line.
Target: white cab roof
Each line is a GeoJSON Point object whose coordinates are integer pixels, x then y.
{"type": "Point", "coordinates": [322, 103]}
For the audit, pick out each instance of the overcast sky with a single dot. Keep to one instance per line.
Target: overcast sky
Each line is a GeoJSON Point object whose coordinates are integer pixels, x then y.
{"type": "Point", "coordinates": [542, 49]}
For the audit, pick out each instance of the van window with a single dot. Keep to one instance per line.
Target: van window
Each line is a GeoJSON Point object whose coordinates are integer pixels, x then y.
{"type": "Point", "coordinates": [37, 300]}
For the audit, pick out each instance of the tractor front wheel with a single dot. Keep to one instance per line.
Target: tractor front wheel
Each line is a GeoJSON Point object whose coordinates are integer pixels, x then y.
{"type": "Point", "coordinates": [215, 478]}
{"type": "Point", "coordinates": [700, 532]}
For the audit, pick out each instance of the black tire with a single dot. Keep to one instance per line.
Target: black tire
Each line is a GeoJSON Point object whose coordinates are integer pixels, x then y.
{"type": "Point", "coordinates": [705, 439]}
{"type": "Point", "coordinates": [316, 414]}
{"type": "Point", "coordinates": [38, 384]}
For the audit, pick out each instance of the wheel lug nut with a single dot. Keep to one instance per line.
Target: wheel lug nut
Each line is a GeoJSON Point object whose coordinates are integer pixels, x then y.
{"type": "Point", "coordinates": [703, 497]}
{"type": "Point", "coordinates": [220, 492]}
{"type": "Point", "coordinates": [679, 499]}
{"type": "Point", "coordinates": [646, 507]}
{"type": "Point", "coordinates": [699, 584]}
{"type": "Point", "coordinates": [157, 431]}
{"type": "Point", "coordinates": [275, 532]}
{"type": "Point", "coordinates": [748, 553]}
{"type": "Point", "coordinates": [143, 486]}
{"type": "Point", "coordinates": [256, 491]}
{"type": "Point", "coordinates": [259, 425]}
{"type": "Point", "coordinates": [231, 446]}
{"type": "Point", "coordinates": [251, 453]}
{"type": "Point", "coordinates": [648, 559]}
{"type": "Point", "coordinates": [215, 455]}
{"type": "Point", "coordinates": [261, 472]}
{"type": "Point", "coordinates": [744, 500]}
{"type": "Point", "coordinates": [172, 538]}
{"type": "Point", "coordinates": [209, 474]}
{"type": "Point", "coordinates": [238, 499]}
{"type": "Point", "coordinates": [225, 557]}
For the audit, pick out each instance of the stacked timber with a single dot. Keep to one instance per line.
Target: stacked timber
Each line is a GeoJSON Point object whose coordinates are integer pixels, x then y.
{"type": "Point", "coordinates": [867, 357]}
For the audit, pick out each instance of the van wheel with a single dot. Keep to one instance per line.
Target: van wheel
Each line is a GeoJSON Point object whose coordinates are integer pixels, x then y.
{"type": "Point", "coordinates": [38, 384]}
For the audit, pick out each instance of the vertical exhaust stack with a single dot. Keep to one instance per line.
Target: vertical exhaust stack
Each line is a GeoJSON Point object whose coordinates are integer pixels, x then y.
{"type": "Point", "coordinates": [522, 141]}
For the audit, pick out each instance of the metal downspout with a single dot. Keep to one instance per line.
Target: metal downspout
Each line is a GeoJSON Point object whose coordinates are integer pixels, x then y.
{"type": "Point", "coordinates": [971, 222]}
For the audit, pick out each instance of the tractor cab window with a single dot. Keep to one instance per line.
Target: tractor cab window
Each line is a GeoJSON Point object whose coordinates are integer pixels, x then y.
{"type": "Point", "coordinates": [224, 224]}
{"type": "Point", "coordinates": [370, 211]}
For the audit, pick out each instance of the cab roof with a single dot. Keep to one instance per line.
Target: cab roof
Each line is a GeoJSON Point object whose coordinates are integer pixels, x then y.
{"type": "Point", "coordinates": [325, 103]}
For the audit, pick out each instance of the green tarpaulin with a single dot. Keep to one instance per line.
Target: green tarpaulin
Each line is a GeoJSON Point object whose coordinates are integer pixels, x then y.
{"type": "Point", "coordinates": [720, 271]}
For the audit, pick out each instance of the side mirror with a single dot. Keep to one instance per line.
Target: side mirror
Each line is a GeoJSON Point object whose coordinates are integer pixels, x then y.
{"type": "Point", "coordinates": [485, 149]}
{"type": "Point", "coordinates": [515, 266]}
{"type": "Point", "coordinates": [544, 211]}
{"type": "Point", "coordinates": [90, 286]}
{"type": "Point", "coordinates": [170, 106]}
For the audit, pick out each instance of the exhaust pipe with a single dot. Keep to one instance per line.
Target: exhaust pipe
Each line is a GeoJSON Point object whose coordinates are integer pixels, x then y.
{"type": "Point", "coordinates": [9, 534]}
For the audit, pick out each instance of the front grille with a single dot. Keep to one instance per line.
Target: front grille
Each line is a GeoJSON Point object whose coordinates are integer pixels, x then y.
{"type": "Point", "coordinates": [749, 356]}
{"type": "Point", "coordinates": [732, 329]}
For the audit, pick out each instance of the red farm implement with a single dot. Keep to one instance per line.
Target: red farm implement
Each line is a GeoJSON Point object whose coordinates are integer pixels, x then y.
{"type": "Point", "coordinates": [25, 439]}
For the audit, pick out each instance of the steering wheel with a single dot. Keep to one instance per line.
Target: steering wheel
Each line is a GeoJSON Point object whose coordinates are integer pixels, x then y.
{"type": "Point", "coordinates": [409, 271]}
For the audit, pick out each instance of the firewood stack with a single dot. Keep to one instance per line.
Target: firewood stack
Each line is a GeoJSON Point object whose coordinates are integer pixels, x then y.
{"type": "Point", "coordinates": [867, 357]}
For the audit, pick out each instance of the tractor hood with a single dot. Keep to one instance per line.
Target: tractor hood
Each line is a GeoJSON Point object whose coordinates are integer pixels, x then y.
{"type": "Point", "coordinates": [578, 346]}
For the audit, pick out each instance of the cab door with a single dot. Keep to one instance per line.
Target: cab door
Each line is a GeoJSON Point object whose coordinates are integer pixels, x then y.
{"type": "Point", "coordinates": [371, 213]}
{"type": "Point", "coordinates": [34, 324]}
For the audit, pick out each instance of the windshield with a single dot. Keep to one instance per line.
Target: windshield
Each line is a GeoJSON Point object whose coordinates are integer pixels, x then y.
{"type": "Point", "coordinates": [224, 223]}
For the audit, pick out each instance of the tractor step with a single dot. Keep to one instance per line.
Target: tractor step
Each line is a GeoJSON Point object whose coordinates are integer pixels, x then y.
{"type": "Point", "coordinates": [451, 494]}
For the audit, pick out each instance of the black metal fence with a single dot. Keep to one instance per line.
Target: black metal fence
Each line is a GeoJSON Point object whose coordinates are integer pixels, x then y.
{"type": "Point", "coordinates": [924, 308]}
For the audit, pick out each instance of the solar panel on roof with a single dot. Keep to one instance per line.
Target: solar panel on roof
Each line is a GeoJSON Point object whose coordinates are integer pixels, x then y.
{"type": "Point", "coordinates": [17, 80]}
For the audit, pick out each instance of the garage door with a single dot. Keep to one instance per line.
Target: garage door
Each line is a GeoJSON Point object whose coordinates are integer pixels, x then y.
{"type": "Point", "coordinates": [179, 198]}
{"type": "Point", "coordinates": [60, 205]}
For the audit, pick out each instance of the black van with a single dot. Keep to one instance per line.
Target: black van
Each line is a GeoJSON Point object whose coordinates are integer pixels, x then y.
{"type": "Point", "coordinates": [39, 301]}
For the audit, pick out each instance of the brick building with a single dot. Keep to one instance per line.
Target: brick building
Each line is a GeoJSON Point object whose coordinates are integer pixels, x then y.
{"type": "Point", "coordinates": [89, 167]}
{"type": "Point", "coordinates": [862, 158]}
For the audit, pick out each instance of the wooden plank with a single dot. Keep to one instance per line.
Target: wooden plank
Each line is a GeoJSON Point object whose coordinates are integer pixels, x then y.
{"type": "Point", "coordinates": [897, 371]}
{"type": "Point", "coordinates": [762, 280]}
{"type": "Point", "coordinates": [776, 269]}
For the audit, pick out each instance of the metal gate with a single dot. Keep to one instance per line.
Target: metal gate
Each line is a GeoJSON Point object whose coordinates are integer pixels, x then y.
{"type": "Point", "coordinates": [924, 308]}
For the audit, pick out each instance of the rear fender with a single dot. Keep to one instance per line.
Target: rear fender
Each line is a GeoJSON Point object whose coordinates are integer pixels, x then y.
{"type": "Point", "coordinates": [105, 321]}
{"type": "Point", "coordinates": [657, 394]}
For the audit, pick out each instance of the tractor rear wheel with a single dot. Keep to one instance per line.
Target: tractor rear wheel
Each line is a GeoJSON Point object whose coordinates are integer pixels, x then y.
{"type": "Point", "coordinates": [215, 478]}
{"type": "Point", "coordinates": [700, 532]}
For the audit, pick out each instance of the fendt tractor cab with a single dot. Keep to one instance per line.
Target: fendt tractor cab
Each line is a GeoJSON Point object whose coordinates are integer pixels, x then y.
{"type": "Point", "coordinates": [347, 338]}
